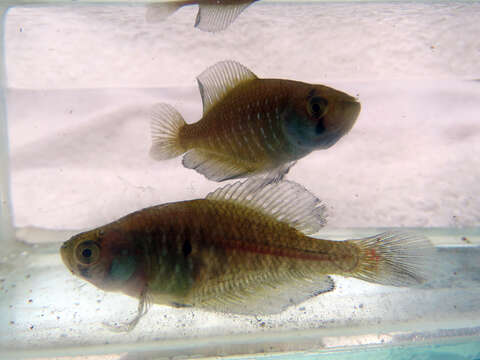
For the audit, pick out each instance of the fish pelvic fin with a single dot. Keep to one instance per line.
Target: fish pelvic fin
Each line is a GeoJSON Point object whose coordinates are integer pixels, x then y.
{"type": "Point", "coordinates": [286, 201]}
{"type": "Point", "coordinates": [144, 305]}
{"type": "Point", "coordinates": [217, 17]}
{"type": "Point", "coordinates": [394, 258]}
{"type": "Point", "coordinates": [277, 174]}
{"type": "Point", "coordinates": [165, 125]}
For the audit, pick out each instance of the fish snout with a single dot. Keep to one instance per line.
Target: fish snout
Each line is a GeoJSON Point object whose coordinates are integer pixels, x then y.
{"type": "Point", "coordinates": [65, 251]}
{"type": "Point", "coordinates": [347, 113]}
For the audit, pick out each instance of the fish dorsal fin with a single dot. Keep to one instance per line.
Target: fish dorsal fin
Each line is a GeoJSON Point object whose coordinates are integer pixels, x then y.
{"type": "Point", "coordinates": [217, 17]}
{"type": "Point", "coordinates": [286, 201]}
{"type": "Point", "coordinates": [216, 81]}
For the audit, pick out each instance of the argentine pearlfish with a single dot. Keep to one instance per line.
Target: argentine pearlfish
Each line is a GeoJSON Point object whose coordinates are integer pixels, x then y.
{"type": "Point", "coordinates": [252, 126]}
{"type": "Point", "coordinates": [243, 249]}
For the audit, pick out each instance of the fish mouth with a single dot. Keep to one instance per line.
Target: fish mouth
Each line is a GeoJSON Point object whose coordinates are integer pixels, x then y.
{"type": "Point", "coordinates": [64, 253]}
{"type": "Point", "coordinates": [352, 110]}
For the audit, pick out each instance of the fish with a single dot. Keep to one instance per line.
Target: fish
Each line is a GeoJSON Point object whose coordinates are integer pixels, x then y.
{"type": "Point", "coordinates": [212, 16]}
{"type": "Point", "coordinates": [244, 249]}
{"type": "Point", "coordinates": [251, 126]}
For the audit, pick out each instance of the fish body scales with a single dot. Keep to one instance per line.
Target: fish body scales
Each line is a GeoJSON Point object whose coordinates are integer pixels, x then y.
{"type": "Point", "coordinates": [250, 126]}
{"type": "Point", "coordinates": [189, 258]}
{"type": "Point", "coordinates": [246, 125]}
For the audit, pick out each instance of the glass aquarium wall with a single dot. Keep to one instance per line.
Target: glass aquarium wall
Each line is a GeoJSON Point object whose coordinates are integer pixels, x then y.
{"type": "Point", "coordinates": [79, 83]}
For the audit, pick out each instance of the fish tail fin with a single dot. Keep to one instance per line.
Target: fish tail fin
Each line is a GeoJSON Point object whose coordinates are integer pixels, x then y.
{"type": "Point", "coordinates": [394, 258]}
{"type": "Point", "coordinates": [166, 123]}
{"type": "Point", "coordinates": [160, 11]}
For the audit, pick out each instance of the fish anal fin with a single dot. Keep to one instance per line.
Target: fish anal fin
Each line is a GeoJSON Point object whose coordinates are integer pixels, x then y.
{"type": "Point", "coordinates": [286, 201]}
{"type": "Point", "coordinates": [217, 17]}
{"type": "Point", "coordinates": [216, 81]}
{"type": "Point", "coordinates": [263, 298]}
{"type": "Point", "coordinates": [213, 166]}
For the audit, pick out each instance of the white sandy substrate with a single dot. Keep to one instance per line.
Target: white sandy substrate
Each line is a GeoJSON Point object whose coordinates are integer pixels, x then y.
{"type": "Point", "coordinates": [82, 80]}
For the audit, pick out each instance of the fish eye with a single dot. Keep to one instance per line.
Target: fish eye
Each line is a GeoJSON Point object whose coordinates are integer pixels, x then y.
{"type": "Point", "coordinates": [87, 253]}
{"type": "Point", "coordinates": [317, 106]}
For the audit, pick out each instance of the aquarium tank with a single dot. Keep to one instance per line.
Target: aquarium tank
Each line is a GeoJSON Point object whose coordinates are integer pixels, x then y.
{"type": "Point", "coordinates": [80, 82]}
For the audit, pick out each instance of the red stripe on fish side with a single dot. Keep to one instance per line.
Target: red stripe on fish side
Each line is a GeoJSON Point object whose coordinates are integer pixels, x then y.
{"type": "Point", "coordinates": [289, 253]}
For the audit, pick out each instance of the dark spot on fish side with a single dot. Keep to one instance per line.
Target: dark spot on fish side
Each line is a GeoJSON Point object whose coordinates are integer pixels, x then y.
{"type": "Point", "coordinates": [186, 248]}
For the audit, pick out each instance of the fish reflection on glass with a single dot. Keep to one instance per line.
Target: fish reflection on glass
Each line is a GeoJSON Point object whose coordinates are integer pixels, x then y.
{"type": "Point", "coordinates": [252, 126]}
{"type": "Point", "coordinates": [212, 16]}
{"type": "Point", "coordinates": [243, 249]}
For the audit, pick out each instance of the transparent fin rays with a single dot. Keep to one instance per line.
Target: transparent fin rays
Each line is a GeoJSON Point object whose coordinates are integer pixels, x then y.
{"type": "Point", "coordinates": [216, 81]}
{"type": "Point", "coordinates": [286, 201]}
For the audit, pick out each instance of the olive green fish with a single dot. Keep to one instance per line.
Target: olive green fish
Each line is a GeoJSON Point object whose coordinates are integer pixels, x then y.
{"type": "Point", "coordinates": [244, 249]}
{"type": "Point", "coordinates": [212, 16]}
{"type": "Point", "coordinates": [252, 126]}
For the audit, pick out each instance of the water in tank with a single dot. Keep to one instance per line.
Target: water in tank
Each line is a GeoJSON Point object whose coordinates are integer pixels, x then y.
{"type": "Point", "coordinates": [81, 83]}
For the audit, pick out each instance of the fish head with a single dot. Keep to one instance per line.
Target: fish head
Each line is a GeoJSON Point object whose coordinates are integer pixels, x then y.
{"type": "Point", "coordinates": [318, 116]}
{"type": "Point", "coordinates": [104, 257]}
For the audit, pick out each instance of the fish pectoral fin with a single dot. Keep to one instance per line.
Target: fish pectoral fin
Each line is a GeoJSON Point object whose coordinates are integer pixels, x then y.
{"type": "Point", "coordinates": [216, 81]}
{"type": "Point", "coordinates": [213, 166]}
{"type": "Point", "coordinates": [160, 11]}
{"type": "Point", "coordinates": [217, 17]}
{"type": "Point", "coordinates": [264, 298]}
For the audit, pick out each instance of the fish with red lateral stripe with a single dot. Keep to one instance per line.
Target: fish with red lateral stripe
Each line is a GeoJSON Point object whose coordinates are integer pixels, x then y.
{"type": "Point", "coordinates": [246, 248]}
